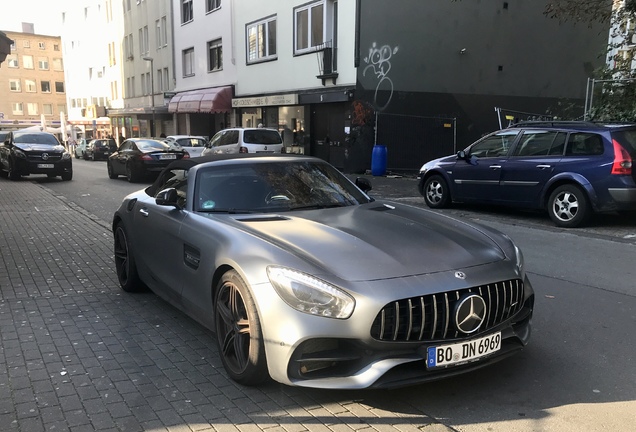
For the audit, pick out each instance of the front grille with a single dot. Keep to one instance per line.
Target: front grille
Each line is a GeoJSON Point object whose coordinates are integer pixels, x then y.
{"type": "Point", "coordinates": [37, 157]}
{"type": "Point", "coordinates": [430, 317]}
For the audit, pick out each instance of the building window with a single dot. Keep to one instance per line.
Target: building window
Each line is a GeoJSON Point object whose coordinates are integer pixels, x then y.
{"type": "Point", "coordinates": [56, 47]}
{"type": "Point", "coordinates": [29, 86]}
{"type": "Point", "coordinates": [114, 95]}
{"type": "Point", "coordinates": [164, 31]}
{"type": "Point", "coordinates": [14, 85]}
{"type": "Point", "coordinates": [59, 87]}
{"type": "Point", "coordinates": [45, 86]}
{"type": "Point", "coordinates": [133, 89]}
{"type": "Point", "coordinates": [146, 44]}
{"type": "Point", "coordinates": [308, 27]}
{"type": "Point", "coordinates": [186, 11]}
{"type": "Point", "coordinates": [61, 108]}
{"type": "Point", "coordinates": [58, 64]}
{"type": "Point", "coordinates": [212, 5]}
{"type": "Point", "coordinates": [158, 33]}
{"type": "Point", "coordinates": [261, 40]}
{"type": "Point", "coordinates": [32, 108]}
{"type": "Point", "coordinates": [26, 44]}
{"type": "Point", "coordinates": [166, 79]}
{"type": "Point", "coordinates": [41, 45]}
{"type": "Point", "coordinates": [129, 47]}
{"type": "Point", "coordinates": [215, 55]}
{"type": "Point", "coordinates": [43, 63]}
{"type": "Point", "coordinates": [12, 61]}
{"type": "Point", "coordinates": [188, 62]}
{"type": "Point", "coordinates": [27, 62]}
{"type": "Point", "coordinates": [47, 109]}
{"type": "Point", "coordinates": [112, 58]}
{"type": "Point", "coordinates": [17, 108]}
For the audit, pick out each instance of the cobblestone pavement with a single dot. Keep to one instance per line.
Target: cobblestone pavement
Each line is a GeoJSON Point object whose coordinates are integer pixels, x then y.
{"type": "Point", "coordinates": [78, 354]}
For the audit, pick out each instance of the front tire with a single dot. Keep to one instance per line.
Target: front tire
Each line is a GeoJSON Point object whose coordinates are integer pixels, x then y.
{"type": "Point", "coordinates": [569, 207]}
{"type": "Point", "coordinates": [436, 192]}
{"type": "Point", "coordinates": [125, 261]}
{"type": "Point", "coordinates": [111, 171]}
{"type": "Point", "coordinates": [238, 331]}
{"type": "Point", "coordinates": [13, 173]}
{"type": "Point", "coordinates": [67, 176]}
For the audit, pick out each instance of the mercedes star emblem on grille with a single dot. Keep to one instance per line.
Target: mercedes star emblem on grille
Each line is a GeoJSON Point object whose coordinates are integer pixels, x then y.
{"type": "Point", "coordinates": [470, 313]}
{"type": "Point", "coordinates": [45, 156]}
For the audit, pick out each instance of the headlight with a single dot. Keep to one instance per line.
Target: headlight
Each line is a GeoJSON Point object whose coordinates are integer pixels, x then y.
{"type": "Point", "coordinates": [19, 153]}
{"type": "Point", "coordinates": [66, 155]}
{"type": "Point", "coordinates": [518, 256]}
{"type": "Point", "coordinates": [311, 295]}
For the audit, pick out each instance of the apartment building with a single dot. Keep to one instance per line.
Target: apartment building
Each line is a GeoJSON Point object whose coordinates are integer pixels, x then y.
{"type": "Point", "coordinates": [144, 50]}
{"type": "Point", "coordinates": [205, 66]}
{"type": "Point", "coordinates": [32, 85]}
{"type": "Point", "coordinates": [91, 35]}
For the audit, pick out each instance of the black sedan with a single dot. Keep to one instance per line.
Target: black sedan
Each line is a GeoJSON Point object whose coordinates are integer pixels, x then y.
{"type": "Point", "coordinates": [100, 149]}
{"type": "Point", "coordinates": [138, 158]}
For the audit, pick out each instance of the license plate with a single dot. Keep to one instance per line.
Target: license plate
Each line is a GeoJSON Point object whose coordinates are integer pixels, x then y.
{"type": "Point", "coordinates": [167, 156]}
{"type": "Point", "coordinates": [452, 354]}
{"type": "Point", "coordinates": [46, 166]}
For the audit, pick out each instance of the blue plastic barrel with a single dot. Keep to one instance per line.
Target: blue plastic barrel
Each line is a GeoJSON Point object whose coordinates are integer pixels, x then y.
{"type": "Point", "coordinates": [378, 160]}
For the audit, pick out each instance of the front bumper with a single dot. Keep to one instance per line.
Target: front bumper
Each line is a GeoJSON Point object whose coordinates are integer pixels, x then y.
{"type": "Point", "coordinates": [26, 166]}
{"type": "Point", "coordinates": [310, 351]}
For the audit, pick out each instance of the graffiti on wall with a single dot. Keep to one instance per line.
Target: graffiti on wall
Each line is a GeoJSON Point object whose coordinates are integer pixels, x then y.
{"type": "Point", "coordinates": [379, 64]}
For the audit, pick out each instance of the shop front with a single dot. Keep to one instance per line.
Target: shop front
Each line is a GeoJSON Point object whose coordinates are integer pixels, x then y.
{"type": "Point", "coordinates": [202, 112]}
{"type": "Point", "coordinates": [310, 123]}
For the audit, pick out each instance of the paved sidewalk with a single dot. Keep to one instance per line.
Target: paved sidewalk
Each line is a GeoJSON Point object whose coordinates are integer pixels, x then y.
{"type": "Point", "coordinates": [78, 354]}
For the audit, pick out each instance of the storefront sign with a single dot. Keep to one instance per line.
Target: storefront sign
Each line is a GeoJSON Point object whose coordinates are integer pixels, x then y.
{"type": "Point", "coordinates": [273, 100]}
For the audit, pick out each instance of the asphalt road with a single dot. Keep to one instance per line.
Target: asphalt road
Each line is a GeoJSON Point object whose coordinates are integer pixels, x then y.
{"type": "Point", "coordinates": [579, 371]}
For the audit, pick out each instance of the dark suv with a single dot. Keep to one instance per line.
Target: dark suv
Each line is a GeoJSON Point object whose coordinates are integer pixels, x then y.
{"type": "Point", "coordinates": [570, 169]}
{"type": "Point", "coordinates": [100, 149]}
{"type": "Point", "coordinates": [30, 152]}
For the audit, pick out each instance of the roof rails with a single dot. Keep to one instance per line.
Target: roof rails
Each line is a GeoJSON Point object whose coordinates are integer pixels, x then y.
{"type": "Point", "coordinates": [571, 123]}
{"type": "Point", "coordinates": [555, 123]}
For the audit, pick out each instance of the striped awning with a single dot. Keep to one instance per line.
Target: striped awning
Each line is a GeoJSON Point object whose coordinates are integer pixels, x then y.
{"type": "Point", "coordinates": [209, 100]}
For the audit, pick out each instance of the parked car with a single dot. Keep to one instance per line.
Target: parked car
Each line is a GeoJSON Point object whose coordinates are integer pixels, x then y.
{"type": "Point", "coordinates": [194, 145]}
{"type": "Point", "coordinates": [570, 169]}
{"type": "Point", "coordinates": [29, 152]}
{"type": "Point", "coordinates": [137, 158]}
{"type": "Point", "coordinates": [3, 135]}
{"type": "Point", "coordinates": [100, 149]}
{"type": "Point", "coordinates": [306, 279]}
{"type": "Point", "coordinates": [80, 148]}
{"type": "Point", "coordinates": [245, 140]}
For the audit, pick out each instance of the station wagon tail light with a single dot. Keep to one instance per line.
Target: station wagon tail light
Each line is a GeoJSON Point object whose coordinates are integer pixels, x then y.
{"type": "Point", "coordinates": [243, 150]}
{"type": "Point", "coordinates": [622, 160]}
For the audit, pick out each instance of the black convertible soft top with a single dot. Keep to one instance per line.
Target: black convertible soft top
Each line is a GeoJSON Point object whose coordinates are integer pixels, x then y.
{"type": "Point", "coordinates": [188, 163]}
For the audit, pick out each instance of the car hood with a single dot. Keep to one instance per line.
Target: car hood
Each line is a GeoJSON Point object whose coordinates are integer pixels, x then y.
{"type": "Point", "coordinates": [40, 147]}
{"type": "Point", "coordinates": [376, 241]}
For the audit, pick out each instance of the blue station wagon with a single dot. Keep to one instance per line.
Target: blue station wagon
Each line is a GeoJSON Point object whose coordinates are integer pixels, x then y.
{"type": "Point", "coordinates": [570, 169]}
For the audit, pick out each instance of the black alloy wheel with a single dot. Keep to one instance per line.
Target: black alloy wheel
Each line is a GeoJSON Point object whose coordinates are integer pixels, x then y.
{"type": "Point", "coordinates": [238, 331]}
{"type": "Point", "coordinates": [13, 173]}
{"type": "Point", "coordinates": [569, 207]}
{"type": "Point", "coordinates": [436, 193]}
{"type": "Point", "coordinates": [67, 176]}
{"type": "Point", "coordinates": [125, 262]}
{"type": "Point", "coordinates": [111, 171]}
{"type": "Point", "coordinates": [131, 175]}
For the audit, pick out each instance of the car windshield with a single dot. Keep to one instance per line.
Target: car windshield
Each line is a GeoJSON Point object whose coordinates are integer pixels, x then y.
{"type": "Point", "coordinates": [35, 138]}
{"type": "Point", "coordinates": [262, 136]}
{"type": "Point", "coordinates": [191, 142]}
{"type": "Point", "coordinates": [152, 145]}
{"type": "Point", "coordinates": [274, 187]}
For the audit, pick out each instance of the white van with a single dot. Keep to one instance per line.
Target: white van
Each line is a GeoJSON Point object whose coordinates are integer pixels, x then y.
{"type": "Point", "coordinates": [244, 140]}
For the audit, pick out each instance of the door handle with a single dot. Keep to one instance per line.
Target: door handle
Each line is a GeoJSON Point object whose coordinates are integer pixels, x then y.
{"type": "Point", "coordinates": [144, 212]}
{"type": "Point", "coordinates": [495, 167]}
{"type": "Point", "coordinates": [544, 166]}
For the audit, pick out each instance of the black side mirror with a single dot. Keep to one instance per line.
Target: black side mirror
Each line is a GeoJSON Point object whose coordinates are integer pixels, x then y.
{"type": "Point", "coordinates": [461, 154]}
{"type": "Point", "coordinates": [168, 197]}
{"type": "Point", "coordinates": [363, 184]}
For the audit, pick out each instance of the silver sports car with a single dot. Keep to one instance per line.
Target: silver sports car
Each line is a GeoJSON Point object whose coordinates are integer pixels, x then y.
{"type": "Point", "coordinates": [308, 280]}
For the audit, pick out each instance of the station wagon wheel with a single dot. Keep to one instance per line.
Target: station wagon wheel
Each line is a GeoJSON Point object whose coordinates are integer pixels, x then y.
{"type": "Point", "coordinates": [436, 192]}
{"type": "Point", "coordinates": [238, 331]}
{"type": "Point", "coordinates": [568, 206]}
{"type": "Point", "coordinates": [125, 262]}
